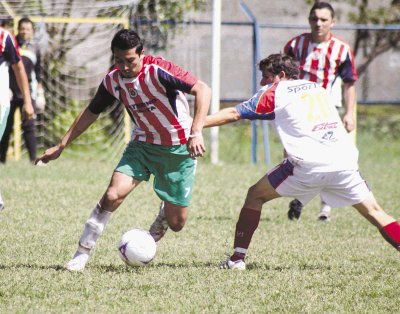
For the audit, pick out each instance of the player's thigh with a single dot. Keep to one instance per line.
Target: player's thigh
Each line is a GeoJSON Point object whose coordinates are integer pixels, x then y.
{"type": "Point", "coordinates": [262, 190]}
{"type": "Point", "coordinates": [290, 181]}
{"type": "Point", "coordinates": [371, 210]}
{"type": "Point", "coordinates": [344, 188]}
{"type": "Point", "coordinates": [174, 173]}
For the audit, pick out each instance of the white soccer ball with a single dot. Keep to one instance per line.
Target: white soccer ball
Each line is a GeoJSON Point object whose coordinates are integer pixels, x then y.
{"type": "Point", "coordinates": [137, 247]}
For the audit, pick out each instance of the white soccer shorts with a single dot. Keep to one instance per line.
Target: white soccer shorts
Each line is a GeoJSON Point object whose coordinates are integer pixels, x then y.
{"type": "Point", "coordinates": [337, 189]}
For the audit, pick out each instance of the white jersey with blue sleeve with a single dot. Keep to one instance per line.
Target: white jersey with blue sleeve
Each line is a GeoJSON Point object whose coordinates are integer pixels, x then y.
{"type": "Point", "coordinates": [307, 124]}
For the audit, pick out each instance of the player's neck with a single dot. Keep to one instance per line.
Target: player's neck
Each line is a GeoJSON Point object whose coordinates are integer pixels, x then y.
{"type": "Point", "coordinates": [321, 39]}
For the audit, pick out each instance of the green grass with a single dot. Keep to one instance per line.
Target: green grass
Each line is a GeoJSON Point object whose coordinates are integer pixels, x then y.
{"type": "Point", "coordinates": [344, 266]}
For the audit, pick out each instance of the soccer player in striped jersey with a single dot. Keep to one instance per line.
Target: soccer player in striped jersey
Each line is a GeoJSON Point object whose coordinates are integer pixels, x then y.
{"type": "Point", "coordinates": [327, 60]}
{"type": "Point", "coordinates": [10, 56]}
{"type": "Point", "coordinates": [165, 140]}
{"type": "Point", "coordinates": [321, 158]}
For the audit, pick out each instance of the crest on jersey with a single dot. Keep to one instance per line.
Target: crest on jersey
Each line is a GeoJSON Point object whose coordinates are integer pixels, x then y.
{"type": "Point", "coordinates": [316, 54]}
{"type": "Point", "coordinates": [132, 92]}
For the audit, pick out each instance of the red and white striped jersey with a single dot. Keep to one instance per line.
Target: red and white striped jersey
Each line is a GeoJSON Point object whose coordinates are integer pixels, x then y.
{"type": "Point", "coordinates": [323, 62]}
{"type": "Point", "coordinates": [155, 101]}
{"type": "Point", "coordinates": [9, 54]}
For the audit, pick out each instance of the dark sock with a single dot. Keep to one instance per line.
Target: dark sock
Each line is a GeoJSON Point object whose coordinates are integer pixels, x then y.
{"type": "Point", "coordinates": [245, 227]}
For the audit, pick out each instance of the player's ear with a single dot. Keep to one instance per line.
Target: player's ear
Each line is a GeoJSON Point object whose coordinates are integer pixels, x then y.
{"type": "Point", "coordinates": [282, 75]}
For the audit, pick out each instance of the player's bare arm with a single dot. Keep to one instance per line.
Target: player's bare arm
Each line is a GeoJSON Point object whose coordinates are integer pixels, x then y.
{"type": "Point", "coordinates": [349, 101]}
{"type": "Point", "coordinates": [22, 81]}
{"type": "Point", "coordinates": [202, 94]}
{"type": "Point", "coordinates": [224, 116]}
{"type": "Point", "coordinates": [81, 123]}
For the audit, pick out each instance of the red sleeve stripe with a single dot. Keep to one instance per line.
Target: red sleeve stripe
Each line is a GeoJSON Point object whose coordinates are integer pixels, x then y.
{"type": "Point", "coordinates": [266, 102]}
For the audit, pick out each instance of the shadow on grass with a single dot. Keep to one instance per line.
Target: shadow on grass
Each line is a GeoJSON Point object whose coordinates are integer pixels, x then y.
{"type": "Point", "coordinates": [224, 218]}
{"type": "Point", "coordinates": [203, 265]}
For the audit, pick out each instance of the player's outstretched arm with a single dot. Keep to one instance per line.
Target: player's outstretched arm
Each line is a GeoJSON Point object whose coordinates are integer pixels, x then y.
{"type": "Point", "coordinates": [202, 93]}
{"type": "Point", "coordinates": [81, 123]}
{"type": "Point", "coordinates": [224, 116]}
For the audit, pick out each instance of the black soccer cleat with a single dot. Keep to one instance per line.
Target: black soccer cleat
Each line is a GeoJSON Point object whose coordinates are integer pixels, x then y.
{"type": "Point", "coordinates": [295, 208]}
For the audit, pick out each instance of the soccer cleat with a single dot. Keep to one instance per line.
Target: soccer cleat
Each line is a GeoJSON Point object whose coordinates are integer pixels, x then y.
{"type": "Point", "coordinates": [235, 265]}
{"type": "Point", "coordinates": [325, 213]}
{"type": "Point", "coordinates": [324, 216]}
{"type": "Point", "coordinates": [160, 225]}
{"type": "Point", "coordinates": [295, 208]}
{"type": "Point", "coordinates": [1, 203]}
{"type": "Point", "coordinates": [78, 262]}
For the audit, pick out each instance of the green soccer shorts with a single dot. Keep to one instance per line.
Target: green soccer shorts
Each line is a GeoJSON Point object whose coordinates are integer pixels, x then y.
{"type": "Point", "coordinates": [171, 166]}
{"type": "Point", "coordinates": [4, 112]}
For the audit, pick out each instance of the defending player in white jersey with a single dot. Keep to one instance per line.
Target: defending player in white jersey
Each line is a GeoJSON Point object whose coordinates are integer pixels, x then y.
{"type": "Point", "coordinates": [327, 60]}
{"type": "Point", "coordinates": [165, 141]}
{"type": "Point", "coordinates": [321, 157]}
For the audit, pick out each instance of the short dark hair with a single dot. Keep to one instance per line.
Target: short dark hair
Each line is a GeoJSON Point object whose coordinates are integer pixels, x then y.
{"type": "Point", "coordinates": [322, 5]}
{"type": "Point", "coordinates": [5, 21]}
{"type": "Point", "coordinates": [127, 39]}
{"type": "Point", "coordinates": [278, 62]}
{"type": "Point", "coordinates": [24, 20]}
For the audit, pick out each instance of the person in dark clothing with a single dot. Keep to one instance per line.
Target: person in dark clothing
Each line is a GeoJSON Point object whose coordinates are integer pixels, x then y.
{"type": "Point", "coordinates": [30, 54]}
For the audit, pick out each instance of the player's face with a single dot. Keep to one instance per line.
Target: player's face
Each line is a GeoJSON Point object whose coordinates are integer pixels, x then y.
{"type": "Point", "coordinates": [26, 31]}
{"type": "Point", "coordinates": [128, 61]}
{"type": "Point", "coordinates": [321, 22]}
{"type": "Point", "coordinates": [269, 78]}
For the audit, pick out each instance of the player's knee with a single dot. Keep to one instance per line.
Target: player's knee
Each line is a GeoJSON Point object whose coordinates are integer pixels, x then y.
{"type": "Point", "coordinates": [177, 225]}
{"type": "Point", "coordinates": [254, 193]}
{"type": "Point", "coordinates": [111, 199]}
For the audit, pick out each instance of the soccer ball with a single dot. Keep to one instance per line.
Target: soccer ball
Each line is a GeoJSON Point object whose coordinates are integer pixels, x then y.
{"type": "Point", "coordinates": [137, 247]}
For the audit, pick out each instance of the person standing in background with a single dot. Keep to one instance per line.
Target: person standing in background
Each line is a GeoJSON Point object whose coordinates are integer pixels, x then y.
{"type": "Point", "coordinates": [10, 57]}
{"type": "Point", "coordinates": [30, 53]}
{"type": "Point", "coordinates": [325, 59]}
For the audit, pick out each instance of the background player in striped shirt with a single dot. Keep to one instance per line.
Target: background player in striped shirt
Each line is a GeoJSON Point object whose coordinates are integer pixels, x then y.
{"type": "Point", "coordinates": [165, 140]}
{"type": "Point", "coordinates": [321, 157]}
{"type": "Point", "coordinates": [325, 59]}
{"type": "Point", "coordinates": [10, 56]}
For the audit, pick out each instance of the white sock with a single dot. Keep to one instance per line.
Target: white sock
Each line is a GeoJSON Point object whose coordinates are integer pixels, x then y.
{"type": "Point", "coordinates": [93, 228]}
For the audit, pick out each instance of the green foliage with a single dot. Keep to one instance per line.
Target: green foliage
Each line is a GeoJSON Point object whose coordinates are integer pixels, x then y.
{"type": "Point", "coordinates": [343, 266]}
{"type": "Point", "coordinates": [382, 121]}
{"type": "Point", "coordinates": [157, 20]}
{"type": "Point", "coordinates": [92, 141]}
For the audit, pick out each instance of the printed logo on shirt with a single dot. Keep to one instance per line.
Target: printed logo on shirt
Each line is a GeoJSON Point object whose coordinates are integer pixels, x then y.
{"type": "Point", "coordinates": [301, 87]}
{"type": "Point", "coordinates": [132, 92]}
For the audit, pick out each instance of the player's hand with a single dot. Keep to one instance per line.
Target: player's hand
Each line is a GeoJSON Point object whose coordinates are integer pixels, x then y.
{"type": "Point", "coordinates": [349, 122]}
{"type": "Point", "coordinates": [28, 112]}
{"type": "Point", "coordinates": [50, 154]}
{"type": "Point", "coordinates": [195, 145]}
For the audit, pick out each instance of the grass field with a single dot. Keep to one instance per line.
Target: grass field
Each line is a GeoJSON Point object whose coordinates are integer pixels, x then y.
{"type": "Point", "coordinates": [343, 266]}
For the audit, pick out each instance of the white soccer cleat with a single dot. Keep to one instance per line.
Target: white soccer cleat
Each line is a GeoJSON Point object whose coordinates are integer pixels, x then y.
{"type": "Point", "coordinates": [160, 225]}
{"type": "Point", "coordinates": [235, 265]}
{"type": "Point", "coordinates": [325, 214]}
{"type": "Point", "coordinates": [78, 262]}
